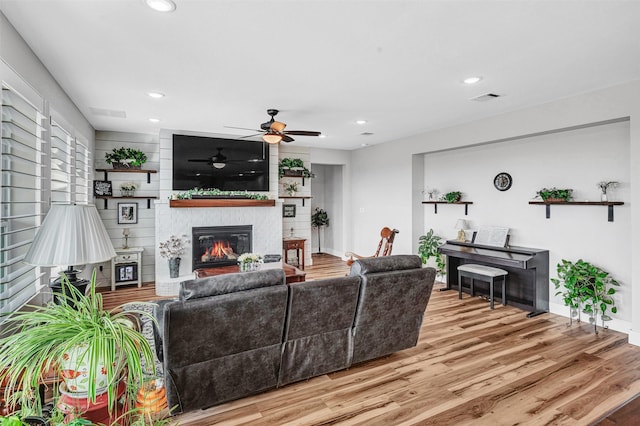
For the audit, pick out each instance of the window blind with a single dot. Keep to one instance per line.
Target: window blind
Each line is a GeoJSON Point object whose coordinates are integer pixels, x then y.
{"type": "Point", "coordinates": [20, 197]}
{"type": "Point", "coordinates": [82, 169]}
{"type": "Point", "coordinates": [61, 164]}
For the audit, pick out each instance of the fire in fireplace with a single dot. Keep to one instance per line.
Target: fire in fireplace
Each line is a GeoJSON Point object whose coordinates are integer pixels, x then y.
{"type": "Point", "coordinates": [219, 245]}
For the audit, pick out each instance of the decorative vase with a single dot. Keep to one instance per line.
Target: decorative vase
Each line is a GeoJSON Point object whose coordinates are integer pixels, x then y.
{"type": "Point", "coordinates": [127, 192]}
{"type": "Point", "coordinates": [174, 267]}
{"type": "Point", "coordinates": [75, 371]}
{"type": "Point", "coordinates": [603, 196]}
{"type": "Point", "coordinates": [249, 266]}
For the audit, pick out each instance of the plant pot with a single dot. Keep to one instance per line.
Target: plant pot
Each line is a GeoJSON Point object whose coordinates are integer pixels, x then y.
{"type": "Point", "coordinates": [555, 200]}
{"type": "Point", "coordinates": [127, 192]}
{"type": "Point", "coordinates": [151, 397]}
{"type": "Point", "coordinates": [293, 173]}
{"type": "Point", "coordinates": [125, 166]}
{"type": "Point", "coordinates": [75, 372]}
{"type": "Point", "coordinates": [97, 412]}
{"type": "Point", "coordinates": [174, 267]}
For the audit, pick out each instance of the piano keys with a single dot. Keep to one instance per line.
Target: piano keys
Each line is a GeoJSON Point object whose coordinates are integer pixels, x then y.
{"type": "Point", "coordinates": [528, 279]}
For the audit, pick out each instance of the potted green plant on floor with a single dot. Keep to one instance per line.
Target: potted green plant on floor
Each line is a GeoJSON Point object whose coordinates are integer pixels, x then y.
{"type": "Point", "coordinates": [44, 339]}
{"type": "Point", "coordinates": [586, 288]}
{"type": "Point", "coordinates": [319, 218]}
{"type": "Point", "coordinates": [428, 247]}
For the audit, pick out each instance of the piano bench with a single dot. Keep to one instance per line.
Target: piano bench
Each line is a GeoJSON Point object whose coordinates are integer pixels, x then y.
{"type": "Point", "coordinates": [483, 273]}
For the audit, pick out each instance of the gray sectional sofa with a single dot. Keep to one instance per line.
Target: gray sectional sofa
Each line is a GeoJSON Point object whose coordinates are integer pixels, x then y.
{"type": "Point", "coordinates": [234, 335]}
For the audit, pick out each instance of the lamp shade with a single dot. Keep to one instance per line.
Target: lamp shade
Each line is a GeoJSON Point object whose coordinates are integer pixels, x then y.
{"type": "Point", "coordinates": [461, 224]}
{"type": "Point", "coordinates": [70, 235]}
{"type": "Point", "coordinates": [272, 138]}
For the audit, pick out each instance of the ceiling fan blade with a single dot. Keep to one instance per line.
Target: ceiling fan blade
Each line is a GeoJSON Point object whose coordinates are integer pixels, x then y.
{"type": "Point", "coordinates": [278, 126]}
{"type": "Point", "coordinates": [200, 161]}
{"type": "Point", "coordinates": [302, 132]}
{"type": "Point", "coordinates": [287, 139]}
{"type": "Point", "coordinates": [242, 128]}
{"type": "Point", "coordinates": [250, 136]}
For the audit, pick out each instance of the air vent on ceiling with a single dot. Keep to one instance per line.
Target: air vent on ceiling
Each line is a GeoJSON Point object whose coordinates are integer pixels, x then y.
{"type": "Point", "coordinates": [366, 134]}
{"type": "Point", "coordinates": [108, 112]}
{"type": "Point", "coordinates": [485, 97]}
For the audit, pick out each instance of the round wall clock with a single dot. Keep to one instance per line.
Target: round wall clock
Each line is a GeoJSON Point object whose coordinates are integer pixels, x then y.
{"type": "Point", "coordinates": [502, 181]}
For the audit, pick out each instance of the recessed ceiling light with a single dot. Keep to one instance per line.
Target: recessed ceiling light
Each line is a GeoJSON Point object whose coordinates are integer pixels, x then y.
{"type": "Point", "coordinates": [364, 144]}
{"type": "Point", "coordinates": [322, 135]}
{"type": "Point", "coordinates": [156, 95]}
{"type": "Point", "coordinates": [361, 121]}
{"type": "Point", "coordinates": [471, 80]}
{"type": "Point", "coordinates": [154, 120]}
{"type": "Point", "coordinates": [161, 5]}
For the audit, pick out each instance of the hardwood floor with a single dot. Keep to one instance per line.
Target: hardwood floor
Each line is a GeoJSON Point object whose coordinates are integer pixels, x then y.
{"type": "Point", "coordinates": [471, 366]}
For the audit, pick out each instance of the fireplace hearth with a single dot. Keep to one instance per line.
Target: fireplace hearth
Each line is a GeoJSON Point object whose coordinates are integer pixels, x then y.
{"type": "Point", "coordinates": [215, 246]}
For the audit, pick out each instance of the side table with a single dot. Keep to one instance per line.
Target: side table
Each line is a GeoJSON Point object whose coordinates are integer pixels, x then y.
{"type": "Point", "coordinates": [293, 243]}
{"type": "Point", "coordinates": [126, 267]}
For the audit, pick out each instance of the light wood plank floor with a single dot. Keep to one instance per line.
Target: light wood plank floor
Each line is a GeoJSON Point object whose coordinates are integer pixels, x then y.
{"type": "Point", "coordinates": [472, 366]}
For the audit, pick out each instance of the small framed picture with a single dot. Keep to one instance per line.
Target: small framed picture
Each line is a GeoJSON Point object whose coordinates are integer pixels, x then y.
{"type": "Point", "coordinates": [127, 213]}
{"type": "Point", "coordinates": [102, 187]}
{"type": "Point", "coordinates": [288, 210]}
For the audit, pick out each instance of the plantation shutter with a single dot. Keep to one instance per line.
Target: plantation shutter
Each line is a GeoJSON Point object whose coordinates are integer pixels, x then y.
{"type": "Point", "coordinates": [20, 197]}
{"type": "Point", "coordinates": [61, 164]}
{"type": "Point", "coordinates": [82, 172]}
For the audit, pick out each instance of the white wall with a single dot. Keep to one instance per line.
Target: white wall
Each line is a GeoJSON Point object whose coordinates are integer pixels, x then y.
{"type": "Point", "coordinates": [142, 234]}
{"type": "Point", "coordinates": [576, 159]}
{"type": "Point", "coordinates": [328, 194]}
{"type": "Point", "coordinates": [383, 189]}
{"type": "Point", "coordinates": [341, 214]}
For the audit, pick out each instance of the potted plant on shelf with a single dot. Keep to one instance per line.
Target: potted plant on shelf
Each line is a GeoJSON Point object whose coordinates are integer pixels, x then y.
{"type": "Point", "coordinates": [319, 218]}
{"type": "Point", "coordinates": [172, 249]}
{"type": "Point", "coordinates": [293, 167]}
{"type": "Point", "coordinates": [428, 248]}
{"type": "Point", "coordinates": [45, 341]}
{"type": "Point", "coordinates": [604, 187]}
{"type": "Point", "coordinates": [554, 194]}
{"type": "Point", "coordinates": [128, 189]}
{"type": "Point", "coordinates": [126, 158]}
{"type": "Point", "coordinates": [291, 188]}
{"type": "Point", "coordinates": [586, 288]}
{"type": "Point", "coordinates": [452, 197]}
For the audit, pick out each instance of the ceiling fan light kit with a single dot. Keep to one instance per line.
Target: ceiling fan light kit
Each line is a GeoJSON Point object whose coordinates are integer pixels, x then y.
{"type": "Point", "coordinates": [274, 131]}
{"type": "Point", "coordinates": [272, 137]}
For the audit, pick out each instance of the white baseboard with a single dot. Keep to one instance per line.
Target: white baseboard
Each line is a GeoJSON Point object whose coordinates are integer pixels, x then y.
{"type": "Point", "coordinates": [614, 324]}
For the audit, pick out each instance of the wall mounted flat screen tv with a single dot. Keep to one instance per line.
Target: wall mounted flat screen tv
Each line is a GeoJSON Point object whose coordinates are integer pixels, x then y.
{"type": "Point", "coordinates": [225, 164]}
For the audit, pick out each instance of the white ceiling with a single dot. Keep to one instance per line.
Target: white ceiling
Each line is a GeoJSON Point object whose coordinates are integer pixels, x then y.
{"type": "Point", "coordinates": [324, 64]}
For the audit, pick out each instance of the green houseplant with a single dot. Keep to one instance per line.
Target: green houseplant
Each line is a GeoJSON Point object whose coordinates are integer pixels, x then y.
{"type": "Point", "coordinates": [293, 167]}
{"type": "Point", "coordinates": [554, 194]}
{"type": "Point", "coordinates": [586, 288]}
{"type": "Point", "coordinates": [428, 247]}
{"type": "Point", "coordinates": [452, 197]}
{"type": "Point", "coordinates": [125, 158]}
{"type": "Point", "coordinates": [319, 218]}
{"type": "Point", "coordinates": [38, 341]}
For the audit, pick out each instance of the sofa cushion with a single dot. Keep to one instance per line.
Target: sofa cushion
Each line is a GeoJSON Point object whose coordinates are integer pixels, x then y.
{"type": "Point", "coordinates": [318, 330]}
{"type": "Point", "coordinates": [385, 264]}
{"type": "Point", "coordinates": [230, 283]}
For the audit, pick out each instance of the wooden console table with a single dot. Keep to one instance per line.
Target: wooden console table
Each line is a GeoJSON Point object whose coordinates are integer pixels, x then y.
{"type": "Point", "coordinates": [297, 244]}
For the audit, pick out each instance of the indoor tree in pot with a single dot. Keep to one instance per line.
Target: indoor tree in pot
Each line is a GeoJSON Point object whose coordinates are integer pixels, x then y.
{"type": "Point", "coordinates": [428, 248]}
{"type": "Point", "coordinates": [319, 218]}
{"type": "Point", "coordinates": [586, 288]}
{"type": "Point", "coordinates": [37, 343]}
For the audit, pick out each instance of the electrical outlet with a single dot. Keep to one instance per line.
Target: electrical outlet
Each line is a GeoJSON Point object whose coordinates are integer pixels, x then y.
{"type": "Point", "coordinates": [100, 268]}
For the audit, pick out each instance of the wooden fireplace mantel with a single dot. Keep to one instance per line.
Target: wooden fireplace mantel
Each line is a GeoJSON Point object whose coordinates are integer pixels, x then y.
{"type": "Point", "coordinates": [221, 202]}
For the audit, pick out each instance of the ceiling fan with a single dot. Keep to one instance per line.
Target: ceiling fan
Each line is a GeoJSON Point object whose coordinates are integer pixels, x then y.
{"type": "Point", "coordinates": [218, 161]}
{"type": "Point", "coordinates": [273, 131]}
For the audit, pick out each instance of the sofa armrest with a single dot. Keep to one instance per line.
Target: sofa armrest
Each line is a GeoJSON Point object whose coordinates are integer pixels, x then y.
{"type": "Point", "coordinates": [158, 326]}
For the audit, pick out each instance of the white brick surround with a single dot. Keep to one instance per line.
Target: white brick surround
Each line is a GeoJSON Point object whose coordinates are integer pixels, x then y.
{"type": "Point", "coordinates": [266, 221]}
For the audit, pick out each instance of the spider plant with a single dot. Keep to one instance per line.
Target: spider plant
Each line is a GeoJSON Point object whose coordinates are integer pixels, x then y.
{"type": "Point", "coordinates": [38, 339]}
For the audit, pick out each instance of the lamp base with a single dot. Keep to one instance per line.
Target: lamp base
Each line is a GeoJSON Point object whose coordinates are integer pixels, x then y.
{"type": "Point", "coordinates": [461, 235]}
{"type": "Point", "coordinates": [61, 292]}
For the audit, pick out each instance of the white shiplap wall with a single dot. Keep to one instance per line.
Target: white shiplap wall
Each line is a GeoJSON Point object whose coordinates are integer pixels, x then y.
{"type": "Point", "coordinates": [142, 233]}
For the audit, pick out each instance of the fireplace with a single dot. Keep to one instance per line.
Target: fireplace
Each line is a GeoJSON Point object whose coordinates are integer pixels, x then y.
{"type": "Point", "coordinates": [214, 246]}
